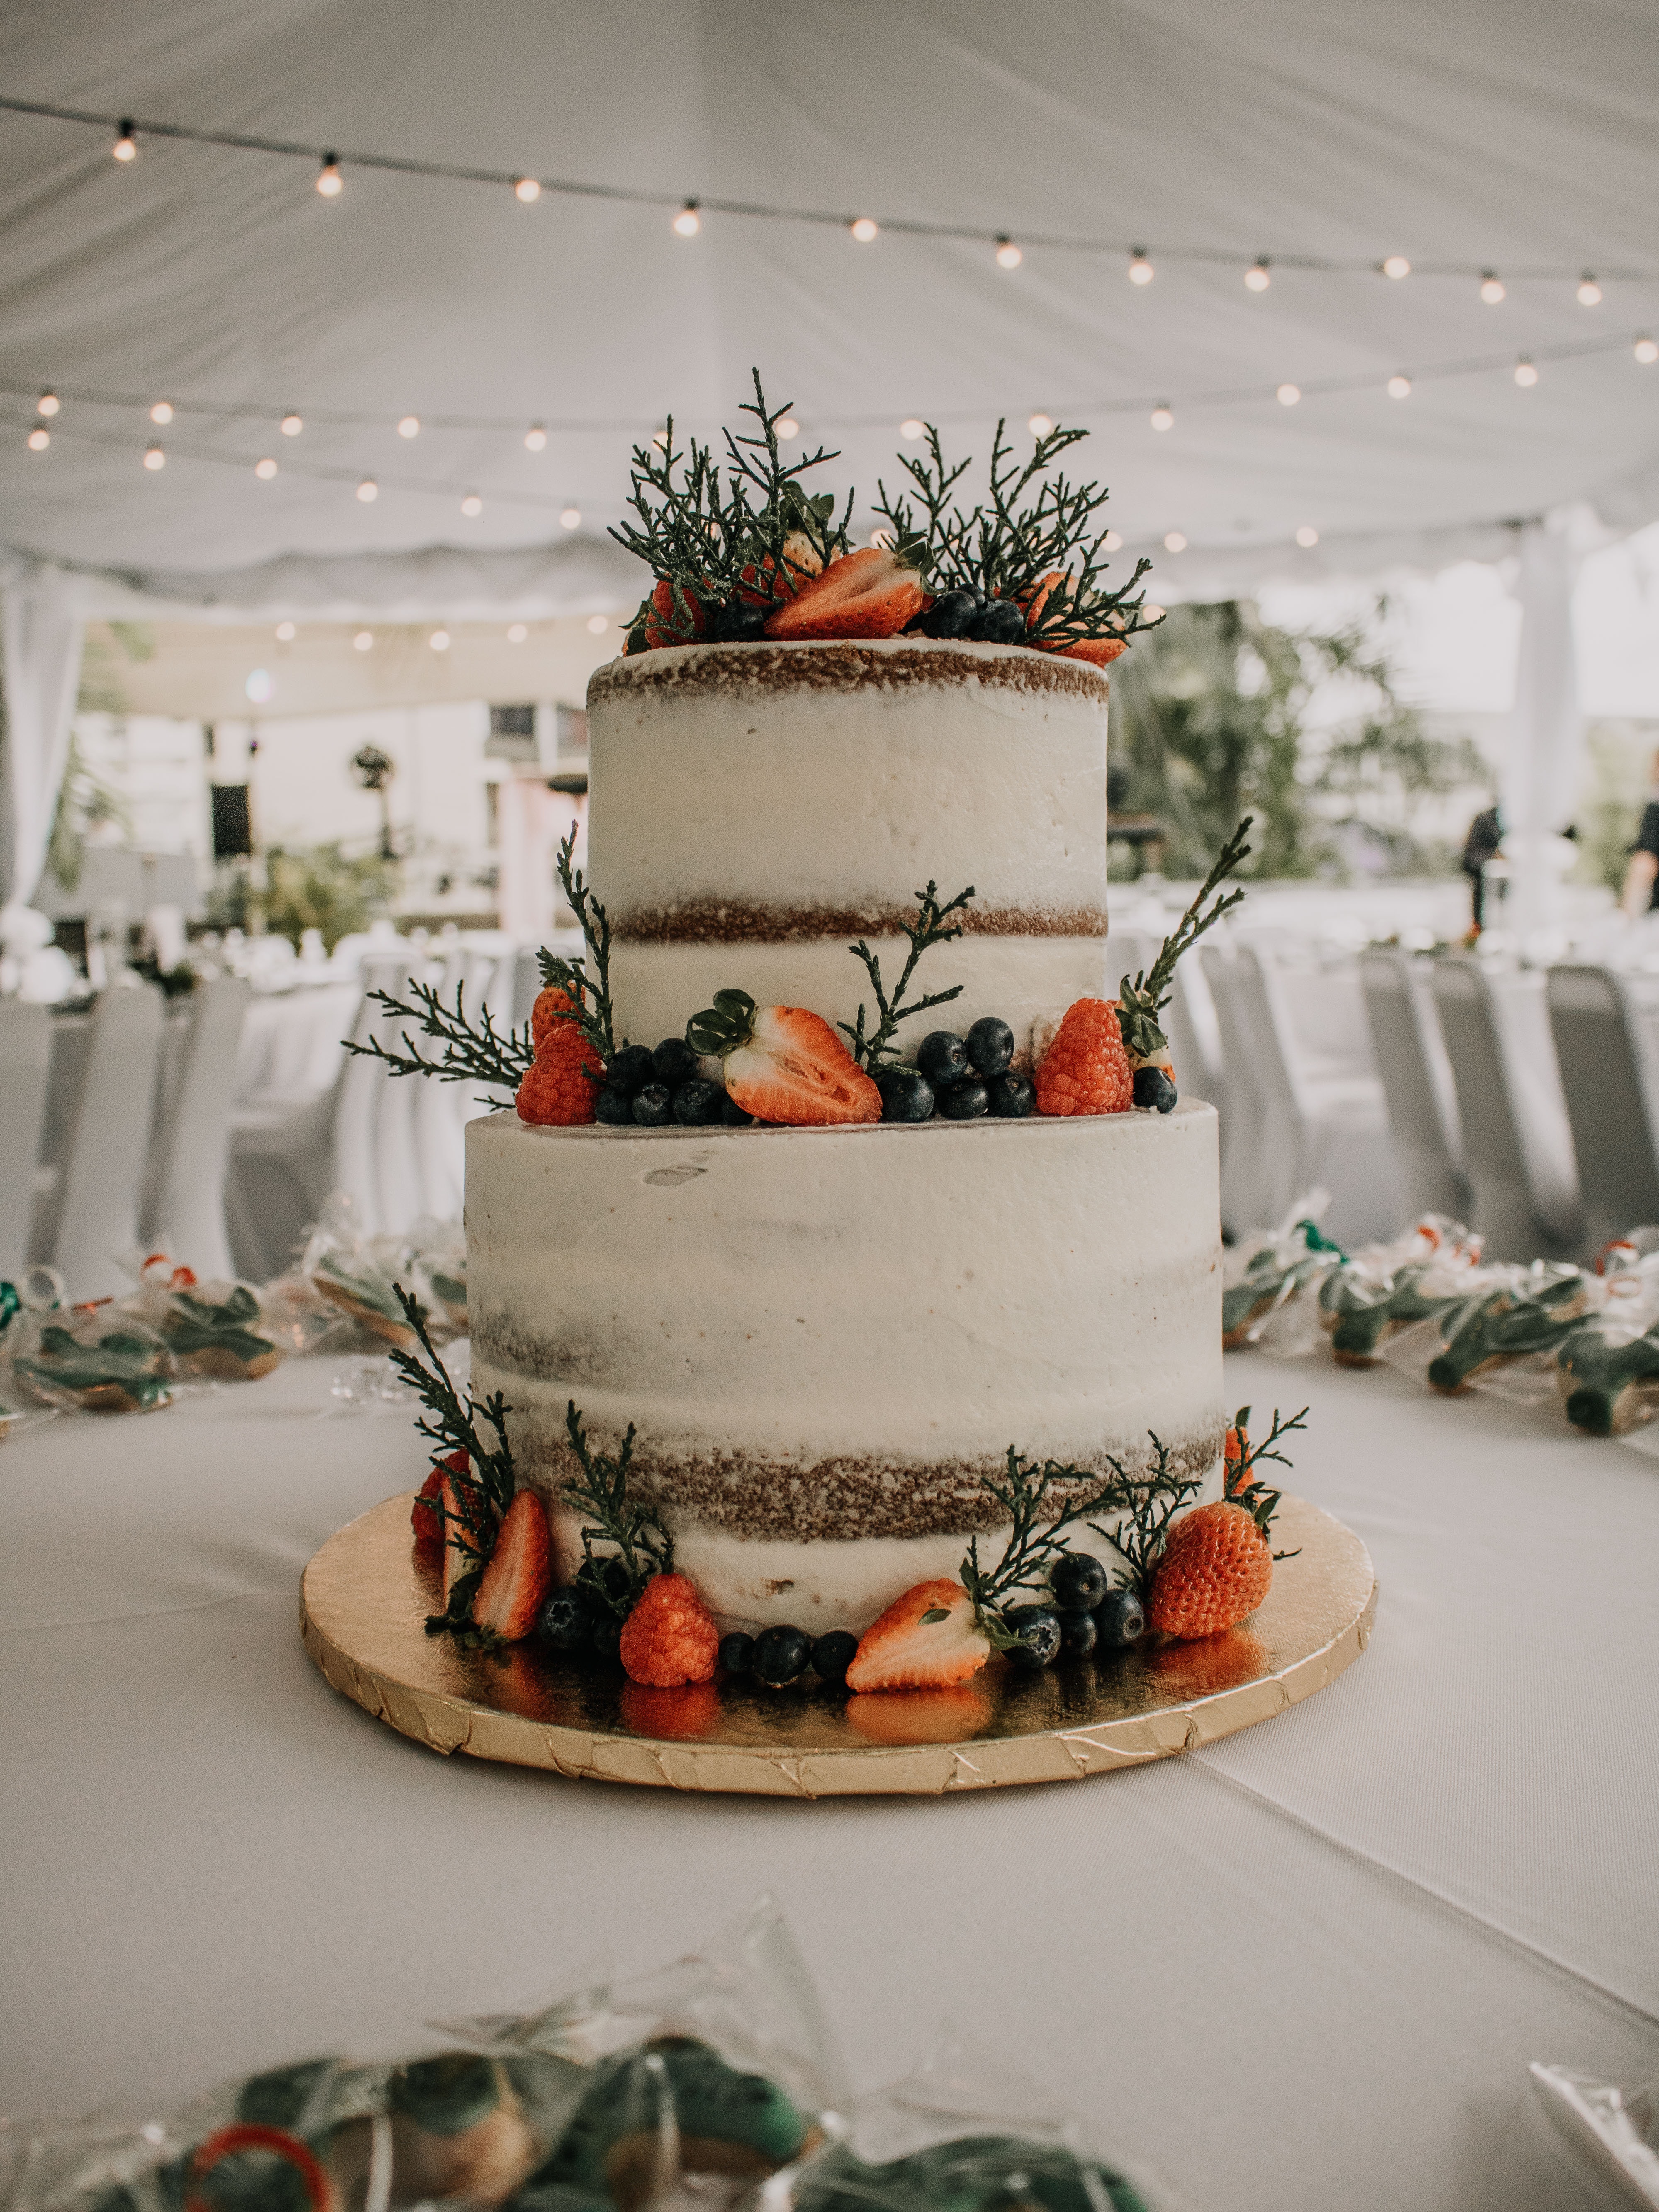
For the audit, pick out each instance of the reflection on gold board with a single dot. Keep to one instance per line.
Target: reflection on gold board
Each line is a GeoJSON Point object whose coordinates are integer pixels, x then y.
{"type": "Point", "coordinates": [365, 1597]}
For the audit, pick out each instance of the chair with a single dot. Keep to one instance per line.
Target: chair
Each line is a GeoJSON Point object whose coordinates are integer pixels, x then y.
{"type": "Point", "coordinates": [88, 1210]}
{"type": "Point", "coordinates": [183, 1212]}
{"type": "Point", "coordinates": [25, 1059]}
{"type": "Point", "coordinates": [1518, 1146]}
{"type": "Point", "coordinates": [1607, 1076]}
{"type": "Point", "coordinates": [1417, 1082]}
{"type": "Point", "coordinates": [1249, 1196]}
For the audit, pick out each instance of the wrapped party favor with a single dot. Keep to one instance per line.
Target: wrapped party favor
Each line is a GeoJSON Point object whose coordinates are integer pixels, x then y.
{"type": "Point", "coordinates": [92, 1359]}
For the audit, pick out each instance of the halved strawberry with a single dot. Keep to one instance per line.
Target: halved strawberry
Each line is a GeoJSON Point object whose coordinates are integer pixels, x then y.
{"type": "Point", "coordinates": [926, 1639]}
{"type": "Point", "coordinates": [1100, 650]}
{"type": "Point", "coordinates": [871, 593]}
{"type": "Point", "coordinates": [783, 1064]}
{"type": "Point", "coordinates": [457, 1560]}
{"type": "Point", "coordinates": [670, 625]}
{"type": "Point", "coordinates": [424, 1518]}
{"type": "Point", "coordinates": [514, 1587]}
{"type": "Point", "coordinates": [765, 586]}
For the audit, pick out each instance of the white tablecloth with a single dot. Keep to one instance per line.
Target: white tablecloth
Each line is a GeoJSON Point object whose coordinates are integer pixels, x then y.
{"type": "Point", "coordinates": [1304, 1968]}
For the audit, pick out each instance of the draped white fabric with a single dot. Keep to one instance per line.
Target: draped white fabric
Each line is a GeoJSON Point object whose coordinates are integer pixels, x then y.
{"type": "Point", "coordinates": [1543, 760]}
{"type": "Point", "coordinates": [40, 634]}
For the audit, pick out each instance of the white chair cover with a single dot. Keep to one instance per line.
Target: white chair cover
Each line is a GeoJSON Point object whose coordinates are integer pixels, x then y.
{"type": "Point", "coordinates": [25, 1059]}
{"type": "Point", "coordinates": [1604, 1051]}
{"type": "Point", "coordinates": [93, 1213]}
{"type": "Point", "coordinates": [288, 1154]}
{"type": "Point", "coordinates": [1417, 1082]}
{"type": "Point", "coordinates": [393, 1194]}
{"type": "Point", "coordinates": [1517, 1146]}
{"type": "Point", "coordinates": [1248, 1187]}
{"type": "Point", "coordinates": [183, 1212]}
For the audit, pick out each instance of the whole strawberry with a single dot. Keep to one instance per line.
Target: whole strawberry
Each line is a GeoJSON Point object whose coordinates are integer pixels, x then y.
{"type": "Point", "coordinates": [1085, 1070]}
{"type": "Point", "coordinates": [551, 1005]}
{"type": "Point", "coordinates": [561, 1089]}
{"type": "Point", "coordinates": [1216, 1569]}
{"type": "Point", "coordinates": [670, 1637]}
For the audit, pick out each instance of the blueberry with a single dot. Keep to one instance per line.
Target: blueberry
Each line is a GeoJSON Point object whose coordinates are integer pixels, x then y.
{"type": "Point", "coordinates": [738, 622]}
{"type": "Point", "coordinates": [781, 1653]}
{"type": "Point", "coordinates": [1121, 1618]}
{"type": "Point", "coordinates": [832, 1655]}
{"type": "Point", "coordinates": [942, 1057]}
{"type": "Point", "coordinates": [697, 1103]}
{"type": "Point", "coordinates": [564, 1621]}
{"type": "Point", "coordinates": [1013, 1096]}
{"type": "Point", "coordinates": [1078, 1633]}
{"type": "Point", "coordinates": [733, 1115]}
{"type": "Point", "coordinates": [964, 1102]}
{"type": "Point", "coordinates": [654, 1108]}
{"type": "Point", "coordinates": [614, 1106]}
{"type": "Point", "coordinates": [1038, 1628]}
{"type": "Point", "coordinates": [1001, 624]}
{"type": "Point", "coordinates": [630, 1069]}
{"type": "Point", "coordinates": [599, 1580]}
{"type": "Point", "coordinates": [949, 615]}
{"type": "Point", "coordinates": [604, 1638]}
{"type": "Point", "coordinates": [1154, 1088]}
{"type": "Point", "coordinates": [673, 1062]}
{"type": "Point", "coordinates": [990, 1045]}
{"type": "Point", "coordinates": [737, 1653]}
{"type": "Point", "coordinates": [906, 1095]}
{"type": "Point", "coordinates": [1078, 1583]}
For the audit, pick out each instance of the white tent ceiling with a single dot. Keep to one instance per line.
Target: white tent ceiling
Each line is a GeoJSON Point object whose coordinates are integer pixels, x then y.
{"type": "Point", "coordinates": [1517, 136]}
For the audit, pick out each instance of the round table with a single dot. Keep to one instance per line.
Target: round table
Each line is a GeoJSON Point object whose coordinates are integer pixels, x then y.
{"type": "Point", "coordinates": [1306, 1967]}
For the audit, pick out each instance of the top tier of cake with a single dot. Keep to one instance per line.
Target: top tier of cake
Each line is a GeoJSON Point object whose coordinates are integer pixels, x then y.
{"type": "Point", "coordinates": [786, 799]}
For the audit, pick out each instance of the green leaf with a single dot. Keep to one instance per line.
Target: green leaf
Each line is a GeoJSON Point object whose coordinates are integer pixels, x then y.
{"type": "Point", "coordinates": [934, 1613]}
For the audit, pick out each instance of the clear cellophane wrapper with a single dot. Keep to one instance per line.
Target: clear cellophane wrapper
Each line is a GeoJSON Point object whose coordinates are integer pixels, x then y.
{"type": "Point", "coordinates": [357, 1275]}
{"type": "Point", "coordinates": [1269, 1280]}
{"type": "Point", "coordinates": [91, 1358]}
{"type": "Point", "coordinates": [1609, 2128]}
{"type": "Point", "coordinates": [216, 1328]}
{"type": "Point", "coordinates": [712, 2087]}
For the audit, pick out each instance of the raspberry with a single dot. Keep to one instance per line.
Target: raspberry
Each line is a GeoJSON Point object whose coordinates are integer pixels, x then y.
{"type": "Point", "coordinates": [562, 1088]}
{"type": "Point", "coordinates": [544, 1016]}
{"type": "Point", "coordinates": [1085, 1070]}
{"type": "Point", "coordinates": [1216, 1568]}
{"type": "Point", "coordinates": [670, 1637]}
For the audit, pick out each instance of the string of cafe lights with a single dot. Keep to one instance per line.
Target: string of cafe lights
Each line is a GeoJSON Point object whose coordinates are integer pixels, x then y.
{"type": "Point", "coordinates": [688, 214]}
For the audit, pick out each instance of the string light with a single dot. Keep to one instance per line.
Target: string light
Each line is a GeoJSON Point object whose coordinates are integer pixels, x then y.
{"type": "Point", "coordinates": [1140, 268]}
{"type": "Point", "coordinates": [48, 404]}
{"type": "Point", "coordinates": [1153, 614]}
{"type": "Point", "coordinates": [364, 641]}
{"type": "Point", "coordinates": [39, 439]}
{"type": "Point", "coordinates": [1526, 375]}
{"type": "Point", "coordinates": [517, 633]}
{"type": "Point", "coordinates": [1256, 276]}
{"type": "Point", "coordinates": [472, 504]}
{"type": "Point", "coordinates": [527, 190]}
{"type": "Point", "coordinates": [535, 437]}
{"type": "Point", "coordinates": [368, 491]}
{"type": "Point", "coordinates": [1400, 387]}
{"type": "Point", "coordinates": [571, 518]}
{"type": "Point", "coordinates": [409, 426]}
{"type": "Point", "coordinates": [687, 222]}
{"type": "Point", "coordinates": [1288, 394]}
{"type": "Point", "coordinates": [598, 625]}
{"type": "Point", "coordinates": [1111, 541]}
{"type": "Point", "coordinates": [125, 148]}
{"type": "Point", "coordinates": [1175, 542]}
{"type": "Point", "coordinates": [1307, 536]}
{"type": "Point", "coordinates": [1163, 417]}
{"type": "Point", "coordinates": [162, 411]}
{"type": "Point", "coordinates": [329, 183]}
{"type": "Point", "coordinates": [291, 425]}
{"type": "Point", "coordinates": [264, 470]}
{"type": "Point", "coordinates": [1589, 292]}
{"type": "Point", "coordinates": [155, 458]}
{"type": "Point", "coordinates": [1396, 266]}
{"type": "Point", "coordinates": [439, 640]}
{"type": "Point", "coordinates": [788, 429]}
{"type": "Point", "coordinates": [881, 538]}
{"type": "Point", "coordinates": [285, 633]}
{"type": "Point", "coordinates": [911, 428]}
{"type": "Point", "coordinates": [659, 440]}
{"type": "Point", "coordinates": [1008, 254]}
{"type": "Point", "coordinates": [1647, 351]}
{"type": "Point", "coordinates": [865, 230]}
{"type": "Point", "coordinates": [1040, 425]}
{"type": "Point", "coordinates": [1492, 287]}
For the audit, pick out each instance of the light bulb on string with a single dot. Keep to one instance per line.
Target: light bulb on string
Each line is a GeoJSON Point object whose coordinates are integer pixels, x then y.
{"type": "Point", "coordinates": [329, 183]}
{"type": "Point", "coordinates": [409, 426]}
{"type": "Point", "coordinates": [39, 439]}
{"type": "Point", "coordinates": [527, 190]}
{"type": "Point", "coordinates": [1008, 254]}
{"type": "Point", "coordinates": [570, 518]}
{"type": "Point", "coordinates": [1589, 292]}
{"type": "Point", "coordinates": [1400, 387]}
{"type": "Point", "coordinates": [1396, 266]}
{"type": "Point", "coordinates": [291, 425]}
{"type": "Point", "coordinates": [125, 148]}
{"type": "Point", "coordinates": [1174, 542]}
{"type": "Point", "coordinates": [1307, 536]}
{"type": "Point", "coordinates": [1153, 614]}
{"type": "Point", "coordinates": [439, 640]}
{"type": "Point", "coordinates": [535, 437]}
{"type": "Point", "coordinates": [472, 504]}
{"type": "Point", "coordinates": [1492, 287]}
{"type": "Point", "coordinates": [1256, 276]}
{"type": "Point", "coordinates": [1140, 268]}
{"type": "Point", "coordinates": [911, 428]}
{"type": "Point", "coordinates": [161, 411]}
{"type": "Point", "coordinates": [517, 633]}
{"type": "Point", "coordinates": [865, 230]}
{"type": "Point", "coordinates": [1111, 541]}
{"type": "Point", "coordinates": [1526, 374]}
{"type": "Point", "coordinates": [1040, 425]}
{"type": "Point", "coordinates": [598, 625]}
{"type": "Point", "coordinates": [155, 458]}
{"type": "Point", "coordinates": [659, 440]}
{"type": "Point", "coordinates": [48, 404]}
{"type": "Point", "coordinates": [788, 429]}
{"type": "Point", "coordinates": [1288, 394]}
{"type": "Point", "coordinates": [368, 491]}
{"type": "Point", "coordinates": [1163, 417]}
{"type": "Point", "coordinates": [285, 633]}
{"type": "Point", "coordinates": [264, 470]}
{"type": "Point", "coordinates": [687, 222]}
{"type": "Point", "coordinates": [364, 641]}
{"type": "Point", "coordinates": [1647, 351]}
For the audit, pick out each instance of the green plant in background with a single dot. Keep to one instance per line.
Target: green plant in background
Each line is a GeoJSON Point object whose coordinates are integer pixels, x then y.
{"type": "Point", "coordinates": [325, 888]}
{"type": "Point", "coordinates": [1615, 791]}
{"type": "Point", "coordinates": [1211, 719]}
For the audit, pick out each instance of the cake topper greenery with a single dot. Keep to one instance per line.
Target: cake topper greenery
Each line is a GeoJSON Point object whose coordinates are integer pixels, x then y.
{"type": "Point", "coordinates": [1141, 1000]}
{"type": "Point", "coordinates": [1149, 1503]}
{"type": "Point", "coordinates": [1036, 1542]}
{"type": "Point", "coordinates": [932, 926]}
{"type": "Point", "coordinates": [641, 1545]}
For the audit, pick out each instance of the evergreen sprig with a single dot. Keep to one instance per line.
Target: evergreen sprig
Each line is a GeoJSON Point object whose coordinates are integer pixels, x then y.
{"type": "Point", "coordinates": [482, 1493]}
{"type": "Point", "coordinates": [1035, 1543]}
{"type": "Point", "coordinates": [587, 990]}
{"type": "Point", "coordinates": [1140, 1002]}
{"type": "Point", "coordinates": [1010, 544]}
{"type": "Point", "coordinates": [1148, 1504]}
{"type": "Point", "coordinates": [471, 1051]}
{"type": "Point", "coordinates": [1243, 1486]}
{"type": "Point", "coordinates": [932, 926]}
{"type": "Point", "coordinates": [642, 1543]}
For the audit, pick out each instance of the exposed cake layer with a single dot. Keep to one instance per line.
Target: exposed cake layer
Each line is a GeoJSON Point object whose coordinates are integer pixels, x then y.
{"type": "Point", "coordinates": [827, 1337]}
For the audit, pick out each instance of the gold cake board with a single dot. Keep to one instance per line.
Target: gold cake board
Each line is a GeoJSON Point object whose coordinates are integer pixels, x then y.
{"type": "Point", "coordinates": [365, 1597]}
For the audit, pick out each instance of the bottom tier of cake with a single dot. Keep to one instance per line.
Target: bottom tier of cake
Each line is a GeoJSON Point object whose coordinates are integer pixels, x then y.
{"type": "Point", "coordinates": [825, 1339]}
